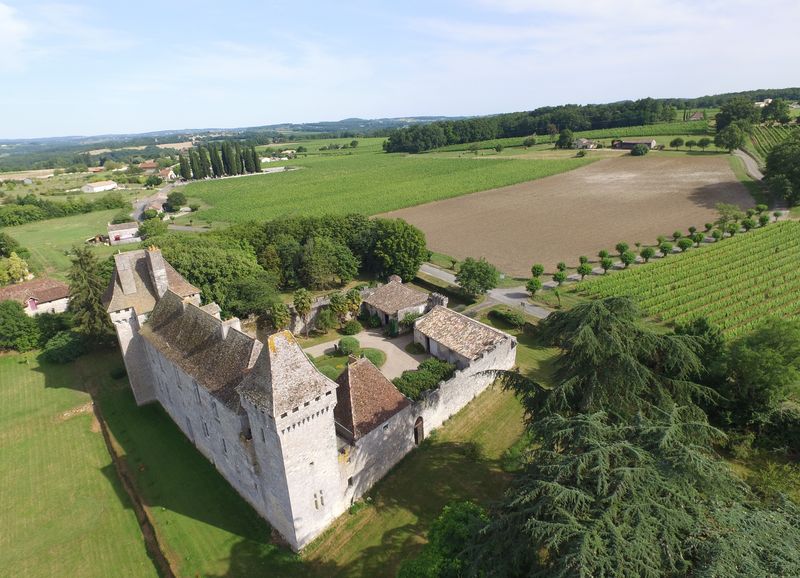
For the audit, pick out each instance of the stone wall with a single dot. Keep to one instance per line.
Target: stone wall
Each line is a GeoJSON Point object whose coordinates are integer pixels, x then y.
{"type": "Point", "coordinates": [127, 325]}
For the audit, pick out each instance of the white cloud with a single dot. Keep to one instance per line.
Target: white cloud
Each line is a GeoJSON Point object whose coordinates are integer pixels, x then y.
{"type": "Point", "coordinates": [14, 34]}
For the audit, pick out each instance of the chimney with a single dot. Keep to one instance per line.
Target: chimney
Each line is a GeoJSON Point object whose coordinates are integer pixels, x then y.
{"type": "Point", "coordinates": [158, 270]}
{"type": "Point", "coordinates": [125, 273]}
{"type": "Point", "coordinates": [435, 299]}
{"type": "Point", "coordinates": [228, 323]}
{"type": "Point", "coordinates": [395, 279]}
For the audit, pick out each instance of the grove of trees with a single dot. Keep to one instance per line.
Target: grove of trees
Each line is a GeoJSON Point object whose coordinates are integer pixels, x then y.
{"type": "Point", "coordinates": [219, 159]}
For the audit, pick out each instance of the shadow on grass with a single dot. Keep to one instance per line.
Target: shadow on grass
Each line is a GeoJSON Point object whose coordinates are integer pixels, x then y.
{"type": "Point", "coordinates": [170, 475]}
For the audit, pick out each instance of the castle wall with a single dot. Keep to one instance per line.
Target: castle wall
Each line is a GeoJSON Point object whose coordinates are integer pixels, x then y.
{"type": "Point", "coordinates": [372, 456]}
{"type": "Point", "coordinates": [127, 324]}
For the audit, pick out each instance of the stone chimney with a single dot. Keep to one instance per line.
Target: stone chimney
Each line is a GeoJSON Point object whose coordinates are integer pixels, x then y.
{"type": "Point", "coordinates": [125, 273]}
{"type": "Point", "coordinates": [228, 323]}
{"type": "Point", "coordinates": [158, 270]}
{"type": "Point", "coordinates": [435, 299]}
{"type": "Point", "coordinates": [395, 279]}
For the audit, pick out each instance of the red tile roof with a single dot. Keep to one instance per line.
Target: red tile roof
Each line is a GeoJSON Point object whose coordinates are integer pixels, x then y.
{"type": "Point", "coordinates": [42, 289]}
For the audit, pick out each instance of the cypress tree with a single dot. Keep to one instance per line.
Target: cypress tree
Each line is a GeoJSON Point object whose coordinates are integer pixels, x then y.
{"type": "Point", "coordinates": [256, 160]}
{"type": "Point", "coordinates": [194, 162]}
{"type": "Point", "coordinates": [186, 172]}
{"type": "Point", "coordinates": [247, 156]}
{"type": "Point", "coordinates": [216, 161]}
{"type": "Point", "coordinates": [227, 159]}
{"type": "Point", "coordinates": [86, 288]}
{"type": "Point", "coordinates": [237, 159]}
{"type": "Point", "coordinates": [205, 162]}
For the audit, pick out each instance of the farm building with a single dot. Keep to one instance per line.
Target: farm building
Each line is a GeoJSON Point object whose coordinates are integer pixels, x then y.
{"type": "Point", "coordinates": [167, 174]}
{"type": "Point", "coordinates": [42, 295]}
{"type": "Point", "coordinates": [585, 143]}
{"type": "Point", "coordinates": [454, 337]}
{"type": "Point", "coordinates": [299, 447]}
{"type": "Point", "coordinates": [763, 103]}
{"type": "Point", "coordinates": [149, 166]}
{"type": "Point", "coordinates": [697, 115]}
{"type": "Point", "coordinates": [393, 301]}
{"type": "Point", "coordinates": [123, 233]}
{"type": "Point", "coordinates": [629, 144]}
{"type": "Point", "coordinates": [95, 169]}
{"type": "Point", "coordinates": [99, 187]}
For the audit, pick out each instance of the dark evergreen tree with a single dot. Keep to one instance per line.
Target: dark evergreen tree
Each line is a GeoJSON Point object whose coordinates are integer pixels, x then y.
{"type": "Point", "coordinates": [227, 159]}
{"type": "Point", "coordinates": [216, 161]}
{"type": "Point", "coordinates": [186, 172]}
{"type": "Point", "coordinates": [194, 162]}
{"type": "Point", "coordinates": [256, 160]}
{"type": "Point", "coordinates": [237, 159]}
{"type": "Point", "coordinates": [247, 158]}
{"type": "Point", "coordinates": [205, 162]}
{"type": "Point", "coordinates": [86, 288]}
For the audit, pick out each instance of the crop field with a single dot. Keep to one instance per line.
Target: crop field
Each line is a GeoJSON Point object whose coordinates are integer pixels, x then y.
{"type": "Point", "coordinates": [734, 283]}
{"type": "Point", "coordinates": [765, 138]}
{"type": "Point", "coordinates": [62, 508]}
{"type": "Point", "coordinates": [365, 182]}
{"type": "Point", "coordinates": [632, 199]}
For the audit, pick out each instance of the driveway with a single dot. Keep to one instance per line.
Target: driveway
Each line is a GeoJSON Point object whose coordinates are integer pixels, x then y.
{"type": "Point", "coordinates": [398, 359]}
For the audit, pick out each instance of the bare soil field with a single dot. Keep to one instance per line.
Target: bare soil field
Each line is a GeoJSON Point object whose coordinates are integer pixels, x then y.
{"type": "Point", "coordinates": [559, 218]}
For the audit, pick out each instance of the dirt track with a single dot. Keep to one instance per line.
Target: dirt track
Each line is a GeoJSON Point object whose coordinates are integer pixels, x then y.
{"type": "Point", "coordinates": [577, 213]}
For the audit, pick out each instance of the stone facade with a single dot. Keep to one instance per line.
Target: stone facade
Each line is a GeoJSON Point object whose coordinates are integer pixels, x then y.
{"type": "Point", "coordinates": [261, 412]}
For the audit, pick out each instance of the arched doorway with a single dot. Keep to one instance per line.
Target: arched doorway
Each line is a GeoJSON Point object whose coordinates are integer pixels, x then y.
{"type": "Point", "coordinates": [419, 431]}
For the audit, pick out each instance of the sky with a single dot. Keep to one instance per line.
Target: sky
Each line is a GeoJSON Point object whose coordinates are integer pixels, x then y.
{"type": "Point", "coordinates": [97, 67]}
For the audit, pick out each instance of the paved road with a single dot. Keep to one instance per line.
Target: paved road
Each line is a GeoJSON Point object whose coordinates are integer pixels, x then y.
{"type": "Point", "coordinates": [750, 164]}
{"type": "Point", "coordinates": [516, 297]}
{"type": "Point", "coordinates": [160, 196]}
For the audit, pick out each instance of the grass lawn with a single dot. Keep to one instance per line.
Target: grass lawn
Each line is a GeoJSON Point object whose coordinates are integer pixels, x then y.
{"type": "Point", "coordinates": [333, 365]}
{"type": "Point", "coordinates": [64, 512]}
{"type": "Point", "coordinates": [757, 189]}
{"type": "Point", "coordinates": [50, 241]}
{"type": "Point", "coordinates": [367, 182]}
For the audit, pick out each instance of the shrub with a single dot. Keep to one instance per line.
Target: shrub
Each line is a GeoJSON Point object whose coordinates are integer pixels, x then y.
{"type": "Point", "coordinates": [52, 323]}
{"type": "Point", "coordinates": [349, 345]}
{"type": "Point", "coordinates": [640, 150]}
{"type": "Point", "coordinates": [374, 321]}
{"type": "Point", "coordinates": [65, 346]}
{"type": "Point", "coordinates": [394, 328]}
{"type": "Point", "coordinates": [561, 266]}
{"type": "Point", "coordinates": [330, 372]}
{"type": "Point", "coordinates": [17, 330]}
{"type": "Point", "coordinates": [352, 327]}
{"type": "Point", "coordinates": [717, 234]}
{"type": "Point", "coordinates": [325, 320]}
{"type": "Point", "coordinates": [427, 376]}
{"type": "Point", "coordinates": [511, 318]}
{"type": "Point", "coordinates": [684, 244]}
{"type": "Point", "coordinates": [537, 270]}
{"type": "Point", "coordinates": [408, 320]}
{"type": "Point", "coordinates": [376, 356]}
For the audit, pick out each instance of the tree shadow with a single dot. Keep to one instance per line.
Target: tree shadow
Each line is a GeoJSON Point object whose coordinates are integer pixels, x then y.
{"type": "Point", "coordinates": [732, 192]}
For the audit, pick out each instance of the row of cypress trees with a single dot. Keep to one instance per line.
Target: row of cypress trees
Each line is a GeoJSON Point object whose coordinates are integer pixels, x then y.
{"type": "Point", "coordinates": [218, 160]}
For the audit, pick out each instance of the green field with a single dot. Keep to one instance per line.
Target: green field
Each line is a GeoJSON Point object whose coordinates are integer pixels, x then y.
{"type": "Point", "coordinates": [734, 283]}
{"type": "Point", "coordinates": [764, 138]}
{"type": "Point", "coordinates": [63, 510]}
{"type": "Point", "coordinates": [364, 182]}
{"type": "Point", "coordinates": [50, 241]}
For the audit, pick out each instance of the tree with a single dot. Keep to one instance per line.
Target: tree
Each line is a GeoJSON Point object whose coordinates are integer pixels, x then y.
{"type": "Point", "coordinates": [86, 288]}
{"type": "Point", "coordinates": [18, 331]}
{"type": "Point", "coordinates": [194, 163]}
{"type": "Point", "coordinates": [302, 304]}
{"type": "Point", "coordinates": [353, 144]}
{"type": "Point", "coordinates": [684, 244]}
{"type": "Point", "coordinates": [476, 277]}
{"type": "Point", "coordinates": [185, 171]}
{"type": "Point", "coordinates": [176, 199]}
{"type": "Point", "coordinates": [748, 224]}
{"type": "Point", "coordinates": [216, 162]}
{"type": "Point", "coordinates": [533, 285]}
{"type": "Point", "coordinates": [602, 254]}
{"type": "Point", "coordinates": [704, 142]}
{"type": "Point", "coordinates": [353, 298]}
{"type": "Point", "coordinates": [763, 365]}
{"type": "Point", "coordinates": [561, 266]}
{"type": "Point", "coordinates": [559, 277]}
{"type": "Point", "coordinates": [498, 148]}
{"type": "Point", "coordinates": [676, 143]}
{"type": "Point", "coordinates": [763, 220]}
{"type": "Point", "coordinates": [647, 253]}
{"type": "Point", "coordinates": [778, 110]}
{"type": "Point", "coordinates": [639, 150]}
{"type": "Point", "coordinates": [152, 228]}
{"type": "Point", "coordinates": [537, 270]}
{"type": "Point", "coordinates": [338, 306]}
{"type": "Point", "coordinates": [399, 248]}
{"type": "Point", "coordinates": [665, 248]}
{"type": "Point", "coordinates": [731, 137]}
{"type": "Point", "coordinates": [606, 263]}
{"type": "Point", "coordinates": [783, 170]}
{"type": "Point", "coordinates": [690, 144]}
{"type": "Point", "coordinates": [727, 213]}
{"type": "Point", "coordinates": [698, 238]}
{"type": "Point", "coordinates": [677, 235]}
{"type": "Point", "coordinates": [566, 140]}
{"type": "Point", "coordinates": [205, 162]}
{"type": "Point", "coordinates": [621, 248]}
{"type": "Point", "coordinates": [324, 260]}
{"type": "Point", "coordinates": [529, 141]}
{"type": "Point", "coordinates": [256, 160]}
{"type": "Point", "coordinates": [13, 269]}
{"type": "Point", "coordinates": [628, 258]}
{"type": "Point", "coordinates": [153, 181]}
{"type": "Point", "coordinates": [584, 269]}
{"type": "Point", "coordinates": [279, 316]}
{"type": "Point", "coordinates": [737, 109]}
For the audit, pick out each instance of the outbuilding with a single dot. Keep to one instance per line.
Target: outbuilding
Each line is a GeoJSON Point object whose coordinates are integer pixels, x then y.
{"type": "Point", "coordinates": [393, 301]}
{"type": "Point", "coordinates": [42, 295]}
{"type": "Point", "coordinates": [123, 233]}
{"type": "Point", "coordinates": [629, 144]}
{"type": "Point", "coordinates": [99, 187]}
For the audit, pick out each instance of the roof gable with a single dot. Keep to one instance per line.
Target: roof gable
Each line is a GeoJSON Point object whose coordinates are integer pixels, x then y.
{"type": "Point", "coordinates": [458, 332]}
{"type": "Point", "coordinates": [394, 296]}
{"type": "Point", "coordinates": [43, 289]}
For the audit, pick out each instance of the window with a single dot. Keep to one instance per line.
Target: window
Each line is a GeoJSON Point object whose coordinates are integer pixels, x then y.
{"type": "Point", "coordinates": [197, 392]}
{"type": "Point", "coordinates": [205, 429]}
{"type": "Point", "coordinates": [213, 407]}
{"type": "Point", "coordinates": [263, 436]}
{"type": "Point", "coordinates": [321, 498]}
{"type": "Point", "coordinates": [316, 504]}
{"type": "Point", "coordinates": [386, 427]}
{"type": "Point", "coordinates": [350, 482]}
{"type": "Point", "coordinates": [224, 447]}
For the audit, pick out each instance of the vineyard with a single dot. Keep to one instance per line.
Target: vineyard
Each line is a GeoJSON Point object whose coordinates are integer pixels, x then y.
{"type": "Point", "coordinates": [764, 138]}
{"type": "Point", "coordinates": [734, 283]}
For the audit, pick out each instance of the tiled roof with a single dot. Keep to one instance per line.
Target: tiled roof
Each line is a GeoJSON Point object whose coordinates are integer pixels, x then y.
{"type": "Point", "coordinates": [42, 289]}
{"type": "Point", "coordinates": [393, 296]}
{"type": "Point", "coordinates": [122, 226]}
{"type": "Point", "coordinates": [283, 377]}
{"type": "Point", "coordinates": [101, 183]}
{"type": "Point", "coordinates": [143, 296]}
{"type": "Point", "coordinates": [194, 341]}
{"type": "Point", "coordinates": [365, 398]}
{"type": "Point", "coordinates": [458, 332]}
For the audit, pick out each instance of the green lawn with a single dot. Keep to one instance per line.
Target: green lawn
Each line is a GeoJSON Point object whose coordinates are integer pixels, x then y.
{"type": "Point", "coordinates": [62, 508]}
{"type": "Point", "coordinates": [364, 182]}
{"type": "Point", "coordinates": [756, 188]}
{"type": "Point", "coordinates": [50, 241]}
{"type": "Point", "coordinates": [333, 365]}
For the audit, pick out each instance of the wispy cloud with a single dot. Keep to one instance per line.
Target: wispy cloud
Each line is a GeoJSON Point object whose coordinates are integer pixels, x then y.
{"type": "Point", "coordinates": [14, 34]}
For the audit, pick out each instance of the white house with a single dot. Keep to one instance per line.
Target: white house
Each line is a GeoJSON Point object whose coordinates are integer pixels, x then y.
{"type": "Point", "coordinates": [123, 233]}
{"type": "Point", "coordinates": [99, 187]}
{"type": "Point", "coordinates": [585, 143]}
{"type": "Point", "coordinates": [37, 296]}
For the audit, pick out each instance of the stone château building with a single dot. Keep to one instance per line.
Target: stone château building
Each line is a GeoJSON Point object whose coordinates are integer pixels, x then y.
{"type": "Point", "coordinates": [299, 447]}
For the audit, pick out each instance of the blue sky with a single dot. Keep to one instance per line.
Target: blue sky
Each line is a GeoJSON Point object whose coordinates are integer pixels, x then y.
{"type": "Point", "coordinates": [92, 67]}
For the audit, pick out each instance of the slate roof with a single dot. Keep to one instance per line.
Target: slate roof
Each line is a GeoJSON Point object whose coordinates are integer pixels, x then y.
{"type": "Point", "coordinates": [365, 398]}
{"type": "Point", "coordinates": [458, 332]}
{"type": "Point", "coordinates": [143, 299]}
{"type": "Point", "coordinates": [193, 340]}
{"type": "Point", "coordinates": [393, 296]}
{"type": "Point", "coordinates": [283, 377]}
{"type": "Point", "coordinates": [42, 289]}
{"type": "Point", "coordinates": [122, 226]}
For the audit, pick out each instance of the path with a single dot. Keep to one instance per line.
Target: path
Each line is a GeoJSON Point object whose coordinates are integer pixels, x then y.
{"type": "Point", "coordinates": [752, 169]}
{"type": "Point", "coordinates": [398, 359]}
{"type": "Point", "coordinates": [516, 297]}
{"type": "Point", "coordinates": [160, 197]}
